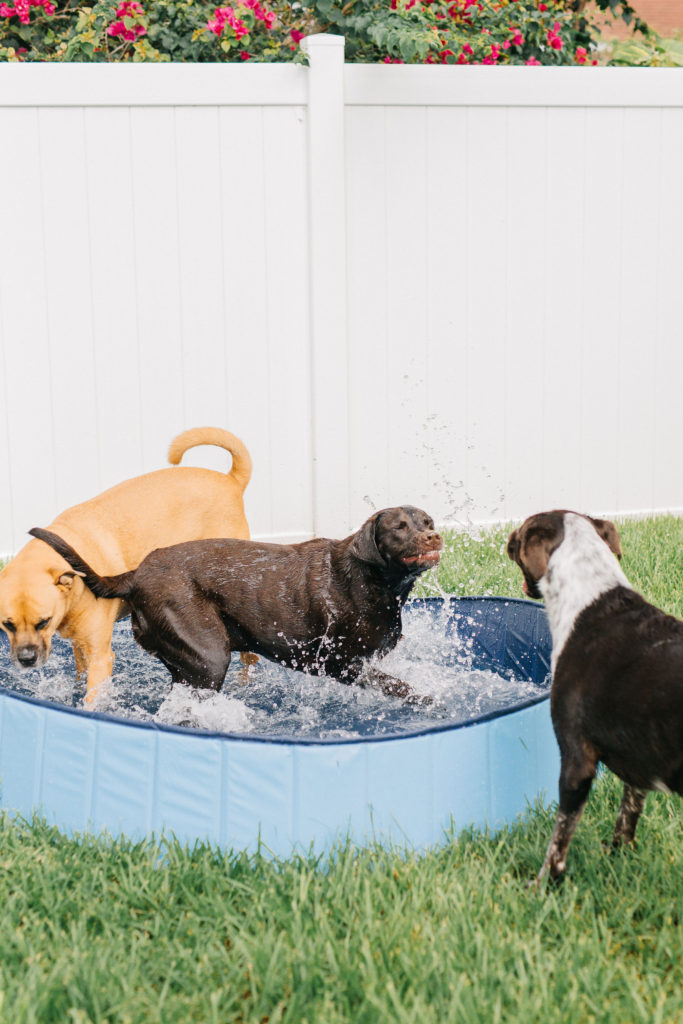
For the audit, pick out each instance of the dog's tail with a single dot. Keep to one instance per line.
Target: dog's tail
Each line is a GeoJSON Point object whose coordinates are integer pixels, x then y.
{"type": "Point", "coordinates": [241, 459]}
{"type": "Point", "coordinates": [101, 586]}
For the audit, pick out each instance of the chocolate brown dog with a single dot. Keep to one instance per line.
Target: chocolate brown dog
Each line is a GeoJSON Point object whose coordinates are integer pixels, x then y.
{"type": "Point", "coordinates": [617, 688]}
{"type": "Point", "coordinates": [40, 594]}
{"type": "Point", "coordinates": [325, 606]}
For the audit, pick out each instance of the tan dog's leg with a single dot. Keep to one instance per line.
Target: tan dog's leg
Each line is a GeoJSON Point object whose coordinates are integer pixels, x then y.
{"type": "Point", "coordinates": [81, 660]}
{"type": "Point", "coordinates": [93, 651]}
{"type": "Point", "coordinates": [248, 659]}
{"type": "Point", "coordinates": [100, 668]}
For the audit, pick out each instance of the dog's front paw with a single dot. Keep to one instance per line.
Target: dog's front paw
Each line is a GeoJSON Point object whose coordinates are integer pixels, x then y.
{"type": "Point", "coordinates": [419, 700]}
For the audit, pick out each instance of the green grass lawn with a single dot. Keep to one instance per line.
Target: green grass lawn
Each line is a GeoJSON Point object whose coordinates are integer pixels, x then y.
{"type": "Point", "coordinates": [94, 930]}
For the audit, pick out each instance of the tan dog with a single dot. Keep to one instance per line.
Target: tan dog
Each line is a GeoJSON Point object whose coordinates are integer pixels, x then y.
{"type": "Point", "coordinates": [40, 593]}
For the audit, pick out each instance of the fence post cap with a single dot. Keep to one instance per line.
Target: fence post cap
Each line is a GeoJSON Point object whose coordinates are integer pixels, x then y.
{"type": "Point", "coordinates": [320, 39]}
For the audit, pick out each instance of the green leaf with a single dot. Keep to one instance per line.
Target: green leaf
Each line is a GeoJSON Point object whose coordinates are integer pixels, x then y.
{"type": "Point", "coordinates": [407, 47]}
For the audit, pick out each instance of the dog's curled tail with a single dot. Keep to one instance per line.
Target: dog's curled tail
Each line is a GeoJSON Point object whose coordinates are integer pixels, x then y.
{"type": "Point", "coordinates": [241, 459]}
{"type": "Point", "coordinates": [101, 586]}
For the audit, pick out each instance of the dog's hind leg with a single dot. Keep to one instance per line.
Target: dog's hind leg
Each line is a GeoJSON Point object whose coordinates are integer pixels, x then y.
{"type": "Point", "coordinates": [194, 648]}
{"type": "Point", "coordinates": [575, 784]}
{"type": "Point", "coordinates": [202, 669]}
{"type": "Point", "coordinates": [632, 804]}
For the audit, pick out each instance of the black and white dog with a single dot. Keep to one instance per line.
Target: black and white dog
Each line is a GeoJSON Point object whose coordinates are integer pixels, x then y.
{"type": "Point", "coordinates": [617, 664]}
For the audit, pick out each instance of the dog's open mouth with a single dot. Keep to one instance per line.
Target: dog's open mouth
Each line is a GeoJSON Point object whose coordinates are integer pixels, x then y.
{"type": "Point", "coordinates": [425, 558]}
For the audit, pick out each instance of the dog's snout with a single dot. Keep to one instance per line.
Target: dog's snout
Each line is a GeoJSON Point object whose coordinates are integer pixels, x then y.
{"type": "Point", "coordinates": [433, 538]}
{"type": "Point", "coordinates": [27, 656]}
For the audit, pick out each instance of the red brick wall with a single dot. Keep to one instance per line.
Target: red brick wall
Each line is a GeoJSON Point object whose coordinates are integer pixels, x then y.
{"type": "Point", "coordinates": [664, 16]}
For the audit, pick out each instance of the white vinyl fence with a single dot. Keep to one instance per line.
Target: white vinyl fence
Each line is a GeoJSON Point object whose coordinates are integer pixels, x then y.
{"type": "Point", "coordinates": [456, 287]}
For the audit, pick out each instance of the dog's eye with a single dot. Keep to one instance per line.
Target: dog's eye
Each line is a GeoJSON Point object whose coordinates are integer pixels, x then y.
{"type": "Point", "coordinates": [402, 525]}
{"type": "Point", "coordinates": [42, 624]}
{"type": "Point", "coordinates": [9, 626]}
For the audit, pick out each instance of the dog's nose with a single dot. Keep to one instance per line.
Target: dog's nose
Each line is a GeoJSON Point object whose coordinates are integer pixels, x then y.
{"type": "Point", "coordinates": [27, 656]}
{"type": "Point", "coordinates": [434, 538]}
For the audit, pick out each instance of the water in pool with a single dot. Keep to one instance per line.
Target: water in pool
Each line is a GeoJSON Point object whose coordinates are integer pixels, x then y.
{"type": "Point", "coordinates": [435, 656]}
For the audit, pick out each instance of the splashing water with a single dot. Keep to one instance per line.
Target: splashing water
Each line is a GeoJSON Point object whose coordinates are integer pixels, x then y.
{"type": "Point", "coordinates": [438, 655]}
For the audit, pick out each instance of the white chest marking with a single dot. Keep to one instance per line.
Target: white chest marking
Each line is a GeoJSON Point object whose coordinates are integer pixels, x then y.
{"type": "Point", "coordinates": [579, 571]}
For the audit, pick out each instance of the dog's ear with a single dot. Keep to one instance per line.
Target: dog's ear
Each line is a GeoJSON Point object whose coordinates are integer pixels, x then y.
{"type": "Point", "coordinates": [537, 552]}
{"type": "Point", "coordinates": [539, 539]}
{"type": "Point", "coordinates": [609, 533]}
{"type": "Point", "coordinates": [364, 545]}
{"type": "Point", "coordinates": [64, 580]}
{"type": "Point", "coordinates": [513, 545]}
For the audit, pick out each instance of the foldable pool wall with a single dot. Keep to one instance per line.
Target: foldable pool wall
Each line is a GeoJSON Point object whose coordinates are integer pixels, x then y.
{"type": "Point", "coordinates": [89, 772]}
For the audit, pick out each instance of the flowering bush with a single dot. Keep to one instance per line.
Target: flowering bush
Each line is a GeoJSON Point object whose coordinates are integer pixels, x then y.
{"type": "Point", "coordinates": [462, 31]}
{"type": "Point", "coordinates": [22, 9]}
{"type": "Point", "coordinates": [153, 30]}
{"type": "Point", "coordinates": [406, 31]}
{"type": "Point", "coordinates": [131, 24]}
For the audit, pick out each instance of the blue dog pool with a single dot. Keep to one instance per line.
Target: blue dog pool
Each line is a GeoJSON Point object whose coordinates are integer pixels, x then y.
{"type": "Point", "coordinates": [288, 761]}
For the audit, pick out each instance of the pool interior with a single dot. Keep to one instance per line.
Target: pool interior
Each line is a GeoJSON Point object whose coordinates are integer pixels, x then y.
{"type": "Point", "coordinates": [474, 657]}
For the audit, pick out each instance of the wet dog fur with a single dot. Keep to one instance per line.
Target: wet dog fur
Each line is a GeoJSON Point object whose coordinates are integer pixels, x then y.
{"type": "Point", "coordinates": [41, 594]}
{"type": "Point", "coordinates": [324, 606]}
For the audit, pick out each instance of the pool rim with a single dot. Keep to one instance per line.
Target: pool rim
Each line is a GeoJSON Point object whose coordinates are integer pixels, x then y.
{"type": "Point", "coordinates": [306, 741]}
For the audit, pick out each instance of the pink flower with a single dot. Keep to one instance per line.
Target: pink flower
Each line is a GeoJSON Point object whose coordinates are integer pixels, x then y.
{"type": "Point", "coordinates": [581, 55]}
{"type": "Point", "coordinates": [296, 35]}
{"type": "Point", "coordinates": [532, 61]}
{"type": "Point", "coordinates": [468, 50]}
{"type": "Point", "coordinates": [128, 9]}
{"type": "Point", "coordinates": [554, 38]}
{"type": "Point", "coordinates": [117, 28]}
{"type": "Point", "coordinates": [226, 16]}
{"type": "Point", "coordinates": [22, 9]}
{"type": "Point", "coordinates": [543, 7]}
{"type": "Point", "coordinates": [244, 55]}
{"type": "Point", "coordinates": [517, 38]}
{"type": "Point", "coordinates": [131, 10]}
{"type": "Point", "coordinates": [495, 51]}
